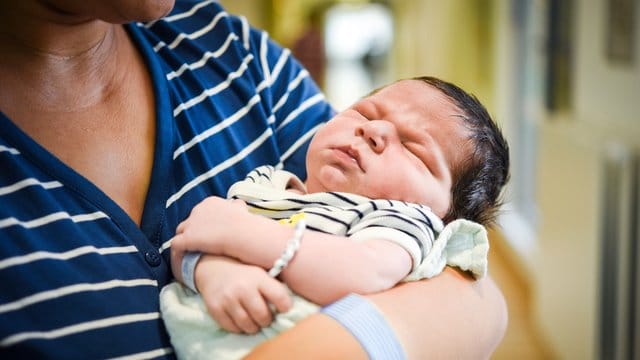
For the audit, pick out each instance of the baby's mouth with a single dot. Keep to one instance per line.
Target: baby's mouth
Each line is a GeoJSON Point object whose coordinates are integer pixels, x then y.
{"type": "Point", "coordinates": [353, 154]}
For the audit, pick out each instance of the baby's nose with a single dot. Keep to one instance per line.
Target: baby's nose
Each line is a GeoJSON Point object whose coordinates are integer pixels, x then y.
{"type": "Point", "coordinates": [375, 133]}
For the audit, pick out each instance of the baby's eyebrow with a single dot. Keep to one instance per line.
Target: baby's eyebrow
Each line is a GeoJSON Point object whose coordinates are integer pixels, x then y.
{"type": "Point", "coordinates": [368, 106]}
{"type": "Point", "coordinates": [461, 116]}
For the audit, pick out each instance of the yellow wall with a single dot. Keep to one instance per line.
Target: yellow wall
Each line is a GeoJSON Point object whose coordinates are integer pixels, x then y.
{"type": "Point", "coordinates": [258, 12]}
{"type": "Point", "coordinates": [448, 39]}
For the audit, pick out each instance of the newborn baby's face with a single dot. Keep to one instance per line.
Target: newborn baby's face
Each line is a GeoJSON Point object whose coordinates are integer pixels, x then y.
{"type": "Point", "coordinates": [396, 144]}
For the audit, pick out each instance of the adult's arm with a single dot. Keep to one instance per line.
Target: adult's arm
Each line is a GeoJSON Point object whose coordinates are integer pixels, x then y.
{"type": "Point", "coordinates": [449, 316]}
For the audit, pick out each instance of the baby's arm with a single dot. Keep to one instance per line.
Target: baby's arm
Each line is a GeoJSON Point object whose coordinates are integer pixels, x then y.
{"type": "Point", "coordinates": [328, 267]}
{"type": "Point", "coordinates": [325, 268]}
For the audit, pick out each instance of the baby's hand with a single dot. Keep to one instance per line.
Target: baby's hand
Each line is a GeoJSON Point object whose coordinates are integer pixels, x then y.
{"type": "Point", "coordinates": [212, 225]}
{"type": "Point", "coordinates": [237, 295]}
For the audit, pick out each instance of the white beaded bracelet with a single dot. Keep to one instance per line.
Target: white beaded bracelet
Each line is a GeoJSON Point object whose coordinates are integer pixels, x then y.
{"type": "Point", "coordinates": [292, 247]}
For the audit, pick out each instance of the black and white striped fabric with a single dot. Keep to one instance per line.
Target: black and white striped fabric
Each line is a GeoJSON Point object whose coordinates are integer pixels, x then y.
{"type": "Point", "coordinates": [412, 226]}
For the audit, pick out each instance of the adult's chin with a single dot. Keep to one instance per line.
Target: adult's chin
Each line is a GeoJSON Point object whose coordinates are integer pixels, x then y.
{"type": "Point", "coordinates": [155, 9]}
{"type": "Point", "coordinates": [111, 11]}
{"type": "Point", "coordinates": [126, 11]}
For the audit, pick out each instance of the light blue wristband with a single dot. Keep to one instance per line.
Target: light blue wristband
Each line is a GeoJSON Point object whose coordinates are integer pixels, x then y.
{"type": "Point", "coordinates": [188, 268]}
{"type": "Point", "coordinates": [365, 322]}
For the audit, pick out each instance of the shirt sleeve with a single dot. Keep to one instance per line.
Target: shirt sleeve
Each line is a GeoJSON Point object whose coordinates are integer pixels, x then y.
{"type": "Point", "coordinates": [411, 226]}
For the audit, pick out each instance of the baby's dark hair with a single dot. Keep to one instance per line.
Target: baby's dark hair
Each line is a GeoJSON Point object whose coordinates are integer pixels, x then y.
{"type": "Point", "coordinates": [478, 180]}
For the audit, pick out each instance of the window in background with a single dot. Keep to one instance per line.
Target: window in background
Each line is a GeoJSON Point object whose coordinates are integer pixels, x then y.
{"type": "Point", "coordinates": [526, 102]}
{"type": "Point", "coordinates": [358, 38]}
{"type": "Point", "coordinates": [621, 31]}
{"type": "Point", "coordinates": [559, 58]}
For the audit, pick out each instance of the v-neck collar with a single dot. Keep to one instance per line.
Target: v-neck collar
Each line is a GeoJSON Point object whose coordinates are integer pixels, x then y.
{"type": "Point", "coordinates": [154, 209]}
{"type": "Point", "coordinates": [154, 206]}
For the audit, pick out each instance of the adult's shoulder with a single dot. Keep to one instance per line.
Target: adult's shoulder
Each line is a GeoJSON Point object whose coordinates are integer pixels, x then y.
{"type": "Point", "coordinates": [194, 19]}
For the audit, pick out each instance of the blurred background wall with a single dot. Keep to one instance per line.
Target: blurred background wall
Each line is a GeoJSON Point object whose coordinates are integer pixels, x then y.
{"type": "Point", "coordinates": [562, 77]}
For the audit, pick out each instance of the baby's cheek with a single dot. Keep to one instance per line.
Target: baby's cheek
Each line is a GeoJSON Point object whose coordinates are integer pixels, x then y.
{"type": "Point", "coordinates": [384, 187]}
{"type": "Point", "coordinates": [438, 199]}
{"type": "Point", "coordinates": [329, 178]}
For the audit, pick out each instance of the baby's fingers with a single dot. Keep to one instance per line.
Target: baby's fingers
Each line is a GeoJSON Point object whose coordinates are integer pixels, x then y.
{"type": "Point", "coordinates": [223, 319]}
{"type": "Point", "coordinates": [259, 310]}
{"type": "Point", "coordinates": [243, 320]}
{"type": "Point", "coordinates": [276, 293]}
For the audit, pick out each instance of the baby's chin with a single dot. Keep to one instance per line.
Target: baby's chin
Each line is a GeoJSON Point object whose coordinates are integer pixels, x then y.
{"type": "Point", "coordinates": [330, 178]}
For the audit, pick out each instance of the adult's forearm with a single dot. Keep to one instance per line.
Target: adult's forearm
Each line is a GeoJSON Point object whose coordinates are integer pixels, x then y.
{"type": "Point", "coordinates": [449, 316]}
{"type": "Point", "coordinates": [314, 338]}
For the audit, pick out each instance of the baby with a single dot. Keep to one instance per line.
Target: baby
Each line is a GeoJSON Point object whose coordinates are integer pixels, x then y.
{"type": "Point", "coordinates": [388, 173]}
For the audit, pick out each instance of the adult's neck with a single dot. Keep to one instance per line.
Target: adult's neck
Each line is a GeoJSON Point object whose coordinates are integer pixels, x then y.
{"type": "Point", "coordinates": [63, 59]}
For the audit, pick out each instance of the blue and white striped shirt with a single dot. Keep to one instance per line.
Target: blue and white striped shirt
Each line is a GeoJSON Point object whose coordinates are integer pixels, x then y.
{"type": "Point", "coordinates": [79, 278]}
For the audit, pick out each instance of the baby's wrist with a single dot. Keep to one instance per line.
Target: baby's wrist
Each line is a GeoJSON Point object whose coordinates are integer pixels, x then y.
{"type": "Point", "coordinates": [262, 246]}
